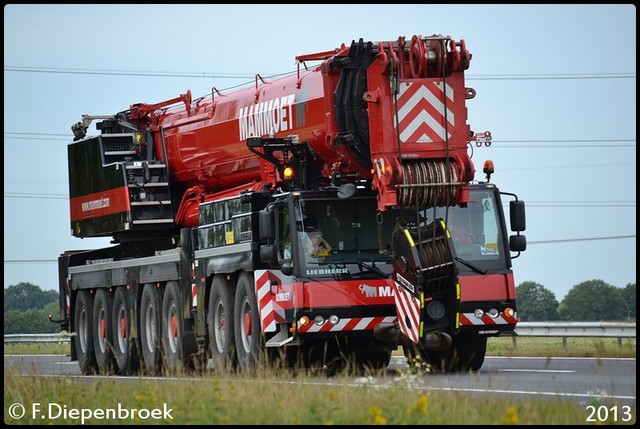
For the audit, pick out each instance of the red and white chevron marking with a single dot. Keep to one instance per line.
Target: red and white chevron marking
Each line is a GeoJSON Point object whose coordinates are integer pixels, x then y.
{"type": "Point", "coordinates": [469, 319]}
{"type": "Point", "coordinates": [271, 313]}
{"type": "Point", "coordinates": [421, 110]}
{"type": "Point", "coordinates": [345, 324]}
{"type": "Point", "coordinates": [408, 309]}
{"type": "Point", "coordinates": [194, 294]}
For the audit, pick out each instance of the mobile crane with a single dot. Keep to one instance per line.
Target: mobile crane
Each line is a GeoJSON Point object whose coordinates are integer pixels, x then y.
{"type": "Point", "coordinates": [209, 203]}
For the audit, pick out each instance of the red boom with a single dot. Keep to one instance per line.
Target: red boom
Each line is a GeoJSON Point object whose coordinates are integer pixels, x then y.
{"type": "Point", "coordinates": [390, 112]}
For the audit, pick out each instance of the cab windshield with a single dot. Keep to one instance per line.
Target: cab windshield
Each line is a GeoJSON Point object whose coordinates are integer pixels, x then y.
{"type": "Point", "coordinates": [343, 237]}
{"type": "Point", "coordinates": [477, 235]}
{"type": "Point", "coordinates": [350, 238]}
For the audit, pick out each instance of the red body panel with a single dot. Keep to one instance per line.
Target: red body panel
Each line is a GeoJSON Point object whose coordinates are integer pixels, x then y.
{"type": "Point", "coordinates": [108, 202]}
{"type": "Point", "coordinates": [491, 287]}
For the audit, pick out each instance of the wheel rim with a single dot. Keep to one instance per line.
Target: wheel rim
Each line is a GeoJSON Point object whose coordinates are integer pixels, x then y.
{"type": "Point", "coordinates": [83, 331]}
{"type": "Point", "coordinates": [150, 328]}
{"type": "Point", "coordinates": [122, 331]}
{"type": "Point", "coordinates": [219, 322]}
{"type": "Point", "coordinates": [173, 327]}
{"type": "Point", "coordinates": [246, 321]}
{"type": "Point", "coordinates": [102, 329]}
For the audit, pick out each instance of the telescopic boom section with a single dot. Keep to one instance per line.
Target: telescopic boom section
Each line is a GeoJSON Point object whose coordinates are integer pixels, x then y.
{"type": "Point", "coordinates": [390, 112]}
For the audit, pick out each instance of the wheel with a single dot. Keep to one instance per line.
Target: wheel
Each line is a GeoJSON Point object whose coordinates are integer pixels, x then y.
{"type": "Point", "coordinates": [150, 324]}
{"type": "Point", "coordinates": [122, 332]}
{"type": "Point", "coordinates": [102, 338]}
{"type": "Point", "coordinates": [172, 328]}
{"type": "Point", "coordinates": [83, 340]}
{"type": "Point", "coordinates": [466, 353]}
{"type": "Point", "coordinates": [220, 324]}
{"type": "Point", "coordinates": [477, 348]}
{"type": "Point", "coordinates": [247, 332]}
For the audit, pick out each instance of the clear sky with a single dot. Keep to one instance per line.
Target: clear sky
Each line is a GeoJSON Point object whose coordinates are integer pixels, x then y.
{"type": "Point", "coordinates": [556, 86]}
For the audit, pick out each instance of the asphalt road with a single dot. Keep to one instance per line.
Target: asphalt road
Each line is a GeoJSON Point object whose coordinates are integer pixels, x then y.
{"type": "Point", "coordinates": [607, 380]}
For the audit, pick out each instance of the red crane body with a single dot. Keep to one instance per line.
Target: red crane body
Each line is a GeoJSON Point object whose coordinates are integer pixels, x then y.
{"type": "Point", "coordinates": [212, 204]}
{"type": "Point", "coordinates": [392, 113]}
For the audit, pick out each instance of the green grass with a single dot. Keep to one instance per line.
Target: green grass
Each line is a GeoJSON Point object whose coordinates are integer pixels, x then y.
{"type": "Point", "coordinates": [554, 347]}
{"type": "Point", "coordinates": [284, 398]}
{"type": "Point", "coordinates": [496, 346]}
{"type": "Point", "coordinates": [36, 348]}
{"type": "Point", "coordinates": [275, 398]}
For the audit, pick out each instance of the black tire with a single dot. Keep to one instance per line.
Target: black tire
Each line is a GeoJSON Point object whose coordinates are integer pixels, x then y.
{"type": "Point", "coordinates": [220, 325]}
{"type": "Point", "coordinates": [122, 331]}
{"type": "Point", "coordinates": [102, 331]}
{"type": "Point", "coordinates": [466, 353]}
{"type": "Point", "coordinates": [477, 348]}
{"type": "Point", "coordinates": [83, 339]}
{"type": "Point", "coordinates": [247, 332]}
{"type": "Point", "coordinates": [172, 328]}
{"type": "Point", "coordinates": [150, 329]}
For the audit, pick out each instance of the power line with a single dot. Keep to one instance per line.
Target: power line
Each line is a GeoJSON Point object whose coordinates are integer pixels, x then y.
{"type": "Point", "coordinates": [103, 72]}
{"type": "Point", "coordinates": [36, 196]}
{"type": "Point", "coordinates": [16, 135]}
{"type": "Point", "coordinates": [225, 75]}
{"type": "Point", "coordinates": [555, 204]}
{"type": "Point", "coordinates": [555, 76]}
{"type": "Point", "coordinates": [568, 240]}
{"type": "Point", "coordinates": [571, 240]}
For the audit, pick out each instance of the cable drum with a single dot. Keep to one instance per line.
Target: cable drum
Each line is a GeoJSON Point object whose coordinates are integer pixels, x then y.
{"type": "Point", "coordinates": [426, 184]}
{"type": "Point", "coordinates": [426, 260]}
{"type": "Point", "coordinates": [437, 266]}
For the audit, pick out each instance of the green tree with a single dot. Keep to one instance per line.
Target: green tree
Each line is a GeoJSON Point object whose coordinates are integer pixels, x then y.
{"type": "Point", "coordinates": [31, 321]}
{"type": "Point", "coordinates": [629, 295]}
{"type": "Point", "coordinates": [593, 300]}
{"type": "Point", "coordinates": [535, 303]}
{"type": "Point", "coordinates": [27, 309]}
{"type": "Point", "coordinates": [24, 296]}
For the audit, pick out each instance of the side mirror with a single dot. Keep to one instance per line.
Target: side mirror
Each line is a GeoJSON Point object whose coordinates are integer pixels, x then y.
{"type": "Point", "coordinates": [269, 253]}
{"type": "Point", "coordinates": [517, 216]}
{"type": "Point", "coordinates": [518, 243]}
{"type": "Point", "coordinates": [267, 224]}
{"type": "Point", "coordinates": [287, 269]}
{"type": "Point", "coordinates": [346, 191]}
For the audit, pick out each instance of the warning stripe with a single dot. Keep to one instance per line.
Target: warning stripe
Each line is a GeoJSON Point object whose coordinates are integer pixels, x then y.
{"type": "Point", "coordinates": [345, 324]}
{"type": "Point", "coordinates": [421, 112]}
{"type": "Point", "coordinates": [194, 294]}
{"type": "Point", "coordinates": [470, 319]}
{"type": "Point", "coordinates": [408, 309]}
{"type": "Point", "coordinates": [271, 313]}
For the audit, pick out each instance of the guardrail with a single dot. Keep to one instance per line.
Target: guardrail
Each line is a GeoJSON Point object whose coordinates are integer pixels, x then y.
{"type": "Point", "coordinates": [565, 330]}
{"type": "Point", "coordinates": [36, 338]}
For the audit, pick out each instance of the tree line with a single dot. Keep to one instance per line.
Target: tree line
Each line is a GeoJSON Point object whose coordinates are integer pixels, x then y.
{"type": "Point", "coordinates": [27, 307]}
{"type": "Point", "coordinates": [589, 301]}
